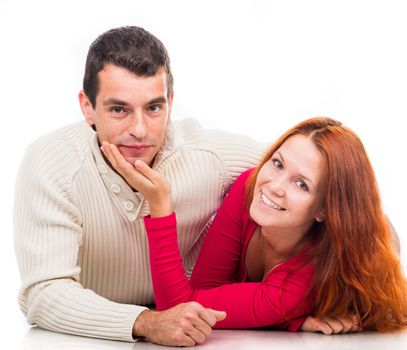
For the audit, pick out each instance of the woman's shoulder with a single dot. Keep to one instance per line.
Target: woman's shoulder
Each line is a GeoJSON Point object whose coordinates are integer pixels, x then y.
{"type": "Point", "coordinates": [236, 194]}
{"type": "Point", "coordinates": [241, 180]}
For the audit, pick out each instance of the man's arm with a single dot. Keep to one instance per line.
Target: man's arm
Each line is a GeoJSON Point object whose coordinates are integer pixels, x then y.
{"type": "Point", "coordinates": [236, 152]}
{"type": "Point", "coordinates": [48, 235]}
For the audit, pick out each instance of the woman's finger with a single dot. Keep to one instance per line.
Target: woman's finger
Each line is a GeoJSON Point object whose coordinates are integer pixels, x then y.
{"type": "Point", "coordinates": [347, 324]}
{"type": "Point", "coordinates": [149, 173]}
{"type": "Point", "coordinates": [337, 326]}
{"type": "Point", "coordinates": [121, 162]}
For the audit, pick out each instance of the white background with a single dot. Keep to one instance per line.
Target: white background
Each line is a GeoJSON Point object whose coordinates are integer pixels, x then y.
{"type": "Point", "coordinates": [253, 67]}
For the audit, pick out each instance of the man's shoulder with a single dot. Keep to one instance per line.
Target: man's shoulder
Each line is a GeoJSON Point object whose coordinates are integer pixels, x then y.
{"type": "Point", "coordinates": [189, 133]}
{"type": "Point", "coordinates": [65, 147]}
{"type": "Point", "coordinates": [71, 137]}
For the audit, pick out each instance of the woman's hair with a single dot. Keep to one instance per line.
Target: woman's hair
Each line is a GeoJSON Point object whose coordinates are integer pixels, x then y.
{"type": "Point", "coordinates": [357, 270]}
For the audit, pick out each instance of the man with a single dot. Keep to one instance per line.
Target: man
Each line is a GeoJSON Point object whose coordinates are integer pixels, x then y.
{"type": "Point", "coordinates": [79, 233]}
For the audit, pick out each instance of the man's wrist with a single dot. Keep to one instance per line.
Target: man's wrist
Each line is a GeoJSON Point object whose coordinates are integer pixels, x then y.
{"type": "Point", "coordinates": [139, 326]}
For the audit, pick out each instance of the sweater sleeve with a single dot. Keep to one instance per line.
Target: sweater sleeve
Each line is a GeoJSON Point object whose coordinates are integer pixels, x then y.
{"type": "Point", "coordinates": [237, 153]}
{"type": "Point", "coordinates": [276, 300]}
{"type": "Point", "coordinates": [48, 236]}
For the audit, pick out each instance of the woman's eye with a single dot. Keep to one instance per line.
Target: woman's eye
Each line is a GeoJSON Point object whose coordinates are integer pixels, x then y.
{"type": "Point", "coordinates": [277, 163]}
{"type": "Point", "coordinates": [301, 185]}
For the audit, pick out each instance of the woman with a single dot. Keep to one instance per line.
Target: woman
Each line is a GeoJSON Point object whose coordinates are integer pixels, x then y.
{"type": "Point", "coordinates": [301, 234]}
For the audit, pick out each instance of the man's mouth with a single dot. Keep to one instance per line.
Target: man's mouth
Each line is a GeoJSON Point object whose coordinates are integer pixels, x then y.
{"type": "Point", "coordinates": [134, 148]}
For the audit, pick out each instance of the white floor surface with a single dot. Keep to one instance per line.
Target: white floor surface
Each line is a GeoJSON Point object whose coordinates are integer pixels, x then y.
{"type": "Point", "coordinates": [38, 339]}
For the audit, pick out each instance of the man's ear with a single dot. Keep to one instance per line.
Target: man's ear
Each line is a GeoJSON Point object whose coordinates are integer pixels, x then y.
{"type": "Point", "coordinates": [170, 100]}
{"type": "Point", "coordinates": [87, 108]}
{"type": "Point", "coordinates": [321, 216]}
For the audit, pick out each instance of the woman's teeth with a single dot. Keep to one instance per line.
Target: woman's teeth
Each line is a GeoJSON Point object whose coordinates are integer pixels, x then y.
{"type": "Point", "coordinates": [269, 203]}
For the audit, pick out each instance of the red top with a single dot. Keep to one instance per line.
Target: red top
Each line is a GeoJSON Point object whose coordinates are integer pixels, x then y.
{"type": "Point", "coordinates": [219, 278]}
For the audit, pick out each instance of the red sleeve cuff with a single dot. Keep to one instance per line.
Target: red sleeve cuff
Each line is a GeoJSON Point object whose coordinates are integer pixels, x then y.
{"type": "Point", "coordinates": [163, 222]}
{"type": "Point", "coordinates": [295, 324]}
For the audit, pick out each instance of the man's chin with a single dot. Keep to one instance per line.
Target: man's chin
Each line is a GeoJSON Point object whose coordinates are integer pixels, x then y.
{"type": "Point", "coordinates": [131, 160]}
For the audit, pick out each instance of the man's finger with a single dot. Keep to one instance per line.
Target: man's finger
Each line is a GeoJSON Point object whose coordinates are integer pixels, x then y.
{"type": "Point", "coordinates": [220, 315]}
{"type": "Point", "coordinates": [211, 316]}
{"type": "Point", "coordinates": [196, 334]}
{"type": "Point", "coordinates": [202, 326]}
{"type": "Point", "coordinates": [181, 338]}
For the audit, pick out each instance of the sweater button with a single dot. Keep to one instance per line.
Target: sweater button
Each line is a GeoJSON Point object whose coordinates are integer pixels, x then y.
{"type": "Point", "coordinates": [115, 188]}
{"type": "Point", "coordinates": [128, 205]}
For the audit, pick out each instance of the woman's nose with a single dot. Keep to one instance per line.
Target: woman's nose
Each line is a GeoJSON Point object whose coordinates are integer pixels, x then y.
{"type": "Point", "coordinates": [277, 187]}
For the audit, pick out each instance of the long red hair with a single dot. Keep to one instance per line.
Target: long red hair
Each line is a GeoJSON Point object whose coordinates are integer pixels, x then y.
{"type": "Point", "coordinates": [357, 270]}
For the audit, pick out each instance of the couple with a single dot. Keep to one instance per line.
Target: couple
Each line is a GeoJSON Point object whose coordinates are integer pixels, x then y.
{"type": "Point", "coordinates": [299, 235]}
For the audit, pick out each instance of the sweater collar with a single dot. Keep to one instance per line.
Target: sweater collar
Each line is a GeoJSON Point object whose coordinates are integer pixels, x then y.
{"type": "Point", "coordinates": [130, 205]}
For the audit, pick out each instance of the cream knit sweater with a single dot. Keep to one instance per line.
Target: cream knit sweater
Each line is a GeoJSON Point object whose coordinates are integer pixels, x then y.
{"type": "Point", "coordinates": [80, 240]}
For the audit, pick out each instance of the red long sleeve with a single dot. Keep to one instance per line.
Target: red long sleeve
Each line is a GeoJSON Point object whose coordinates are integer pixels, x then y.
{"type": "Point", "coordinates": [218, 278]}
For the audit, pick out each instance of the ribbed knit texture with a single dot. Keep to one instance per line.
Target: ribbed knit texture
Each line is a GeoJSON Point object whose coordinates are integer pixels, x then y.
{"type": "Point", "coordinates": [80, 239]}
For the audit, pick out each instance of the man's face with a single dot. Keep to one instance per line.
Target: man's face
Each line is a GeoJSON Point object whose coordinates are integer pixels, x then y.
{"type": "Point", "coordinates": [131, 111]}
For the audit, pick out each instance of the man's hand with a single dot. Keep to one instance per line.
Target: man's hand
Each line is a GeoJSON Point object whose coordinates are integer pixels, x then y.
{"type": "Point", "coordinates": [182, 325]}
{"type": "Point", "coordinates": [330, 325]}
{"type": "Point", "coordinates": [153, 185]}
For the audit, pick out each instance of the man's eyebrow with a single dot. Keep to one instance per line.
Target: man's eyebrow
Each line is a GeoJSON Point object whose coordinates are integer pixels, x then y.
{"type": "Point", "coordinates": [160, 99]}
{"type": "Point", "coordinates": [115, 101]}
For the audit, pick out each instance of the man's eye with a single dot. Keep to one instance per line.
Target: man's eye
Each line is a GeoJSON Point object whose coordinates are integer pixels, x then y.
{"type": "Point", "coordinates": [117, 110]}
{"type": "Point", "coordinates": [155, 108]}
{"type": "Point", "coordinates": [301, 185]}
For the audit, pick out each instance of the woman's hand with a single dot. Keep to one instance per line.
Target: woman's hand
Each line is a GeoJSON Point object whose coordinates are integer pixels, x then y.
{"type": "Point", "coordinates": [154, 187]}
{"type": "Point", "coordinates": [329, 325]}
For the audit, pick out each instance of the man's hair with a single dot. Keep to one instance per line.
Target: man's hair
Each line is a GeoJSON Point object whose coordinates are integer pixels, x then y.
{"type": "Point", "coordinates": [132, 48]}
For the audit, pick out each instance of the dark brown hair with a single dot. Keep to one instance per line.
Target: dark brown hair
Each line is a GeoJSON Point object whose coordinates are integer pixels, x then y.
{"type": "Point", "coordinates": [130, 47]}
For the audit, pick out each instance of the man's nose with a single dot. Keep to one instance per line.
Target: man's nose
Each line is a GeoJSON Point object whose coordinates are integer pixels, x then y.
{"type": "Point", "coordinates": [137, 126]}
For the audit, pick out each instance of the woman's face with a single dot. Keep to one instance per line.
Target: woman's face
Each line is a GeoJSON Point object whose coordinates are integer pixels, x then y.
{"type": "Point", "coordinates": [290, 187]}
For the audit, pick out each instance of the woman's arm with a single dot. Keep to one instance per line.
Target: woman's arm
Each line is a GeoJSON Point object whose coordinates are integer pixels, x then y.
{"type": "Point", "coordinates": [248, 305]}
{"type": "Point", "coordinates": [279, 298]}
